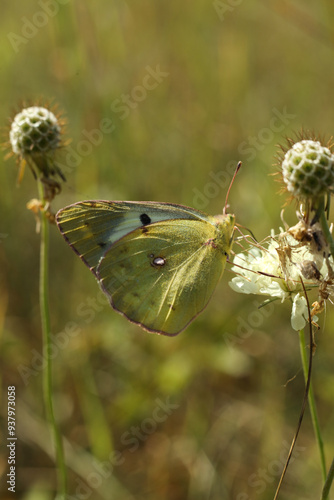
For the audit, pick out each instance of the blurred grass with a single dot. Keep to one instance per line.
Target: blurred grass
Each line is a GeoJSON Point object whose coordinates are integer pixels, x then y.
{"type": "Point", "coordinates": [234, 412]}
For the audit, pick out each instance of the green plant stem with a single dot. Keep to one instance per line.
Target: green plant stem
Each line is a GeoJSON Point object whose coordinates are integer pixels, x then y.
{"type": "Point", "coordinates": [328, 483]}
{"type": "Point", "coordinates": [330, 476]}
{"type": "Point", "coordinates": [311, 401]}
{"type": "Point", "coordinates": [324, 226]}
{"type": "Point", "coordinates": [47, 373]}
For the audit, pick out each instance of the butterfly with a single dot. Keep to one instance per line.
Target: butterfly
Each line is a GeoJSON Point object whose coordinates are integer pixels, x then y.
{"type": "Point", "coordinates": [158, 263]}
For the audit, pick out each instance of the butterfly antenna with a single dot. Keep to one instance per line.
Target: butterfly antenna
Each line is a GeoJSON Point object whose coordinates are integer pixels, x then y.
{"type": "Point", "coordinates": [229, 189]}
{"type": "Point", "coordinates": [247, 229]}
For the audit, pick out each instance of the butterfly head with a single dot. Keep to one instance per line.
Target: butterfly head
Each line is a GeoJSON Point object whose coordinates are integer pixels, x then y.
{"type": "Point", "coordinates": [225, 227]}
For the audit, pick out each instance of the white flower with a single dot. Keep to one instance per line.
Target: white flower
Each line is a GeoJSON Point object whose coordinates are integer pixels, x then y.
{"type": "Point", "coordinates": [247, 279]}
{"type": "Point", "coordinates": [282, 264]}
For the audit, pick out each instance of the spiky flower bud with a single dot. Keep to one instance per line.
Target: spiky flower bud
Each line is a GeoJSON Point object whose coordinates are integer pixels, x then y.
{"type": "Point", "coordinates": [35, 138]}
{"type": "Point", "coordinates": [34, 130]}
{"type": "Point", "coordinates": [308, 169]}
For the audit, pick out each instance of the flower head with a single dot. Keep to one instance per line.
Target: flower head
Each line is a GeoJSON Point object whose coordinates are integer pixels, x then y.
{"type": "Point", "coordinates": [35, 137]}
{"type": "Point", "coordinates": [276, 272]}
{"type": "Point", "coordinates": [34, 130]}
{"type": "Point", "coordinates": [308, 168]}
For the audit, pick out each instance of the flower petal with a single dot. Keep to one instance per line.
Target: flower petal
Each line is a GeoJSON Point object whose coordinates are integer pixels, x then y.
{"type": "Point", "coordinates": [299, 312]}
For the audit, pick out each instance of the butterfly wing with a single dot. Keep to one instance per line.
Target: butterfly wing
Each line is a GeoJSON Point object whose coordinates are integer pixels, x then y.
{"type": "Point", "coordinates": [162, 275]}
{"type": "Point", "coordinates": [91, 227]}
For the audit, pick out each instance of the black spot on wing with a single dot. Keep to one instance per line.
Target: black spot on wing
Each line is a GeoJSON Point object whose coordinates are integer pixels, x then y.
{"type": "Point", "coordinates": [145, 219]}
{"type": "Point", "coordinates": [102, 244]}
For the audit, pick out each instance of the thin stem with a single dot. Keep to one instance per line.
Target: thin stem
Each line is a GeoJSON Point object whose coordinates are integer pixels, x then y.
{"type": "Point", "coordinates": [47, 374]}
{"type": "Point", "coordinates": [324, 226]}
{"type": "Point", "coordinates": [328, 483]}
{"type": "Point", "coordinates": [312, 405]}
{"type": "Point", "coordinates": [308, 374]}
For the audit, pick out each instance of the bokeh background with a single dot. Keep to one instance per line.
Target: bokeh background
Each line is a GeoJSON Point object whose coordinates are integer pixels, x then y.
{"type": "Point", "coordinates": [187, 89]}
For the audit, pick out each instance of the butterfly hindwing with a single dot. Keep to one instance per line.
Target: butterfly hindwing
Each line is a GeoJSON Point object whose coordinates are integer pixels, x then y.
{"type": "Point", "coordinates": [91, 227]}
{"type": "Point", "coordinates": [162, 275]}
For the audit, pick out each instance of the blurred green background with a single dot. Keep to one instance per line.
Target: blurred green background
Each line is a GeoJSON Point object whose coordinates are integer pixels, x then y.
{"type": "Point", "coordinates": [187, 89]}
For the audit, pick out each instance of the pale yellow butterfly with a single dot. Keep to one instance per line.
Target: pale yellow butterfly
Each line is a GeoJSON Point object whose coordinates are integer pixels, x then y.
{"type": "Point", "coordinates": [158, 263]}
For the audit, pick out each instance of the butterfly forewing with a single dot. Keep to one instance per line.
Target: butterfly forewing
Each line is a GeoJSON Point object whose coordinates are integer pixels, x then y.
{"type": "Point", "coordinates": [162, 275]}
{"type": "Point", "coordinates": [91, 227]}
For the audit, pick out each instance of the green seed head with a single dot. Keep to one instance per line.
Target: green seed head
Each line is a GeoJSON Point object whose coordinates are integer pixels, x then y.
{"type": "Point", "coordinates": [34, 130]}
{"type": "Point", "coordinates": [35, 138]}
{"type": "Point", "coordinates": [308, 169]}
